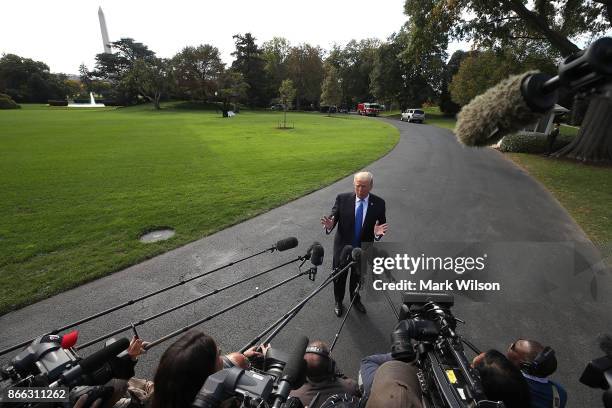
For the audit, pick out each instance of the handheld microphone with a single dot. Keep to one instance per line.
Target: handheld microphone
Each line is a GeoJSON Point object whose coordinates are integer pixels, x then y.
{"type": "Point", "coordinates": [293, 372]}
{"type": "Point", "coordinates": [285, 244]}
{"type": "Point", "coordinates": [356, 254]}
{"type": "Point", "coordinates": [345, 256]}
{"type": "Point", "coordinates": [91, 363]}
{"type": "Point", "coordinates": [316, 253]}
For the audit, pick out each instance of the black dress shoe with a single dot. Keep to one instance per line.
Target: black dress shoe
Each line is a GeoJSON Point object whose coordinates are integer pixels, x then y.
{"type": "Point", "coordinates": [338, 309]}
{"type": "Point", "coordinates": [359, 306]}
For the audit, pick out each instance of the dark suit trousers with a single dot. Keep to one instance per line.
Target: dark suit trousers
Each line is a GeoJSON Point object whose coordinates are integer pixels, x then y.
{"type": "Point", "coordinates": [340, 284]}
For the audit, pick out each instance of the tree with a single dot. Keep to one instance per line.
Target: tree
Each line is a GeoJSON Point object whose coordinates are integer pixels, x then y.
{"type": "Point", "coordinates": [331, 94]}
{"type": "Point", "coordinates": [152, 78]}
{"type": "Point", "coordinates": [447, 106]}
{"type": "Point", "coordinates": [26, 80]}
{"type": "Point", "coordinates": [250, 63]}
{"type": "Point", "coordinates": [355, 63]}
{"type": "Point", "coordinates": [73, 88]}
{"type": "Point", "coordinates": [85, 77]}
{"type": "Point", "coordinates": [398, 79]}
{"type": "Point", "coordinates": [231, 87]}
{"type": "Point", "coordinates": [275, 53]}
{"type": "Point", "coordinates": [481, 70]}
{"type": "Point", "coordinates": [197, 71]}
{"type": "Point", "coordinates": [305, 69]}
{"type": "Point", "coordinates": [286, 94]}
{"type": "Point", "coordinates": [555, 24]}
{"type": "Point", "coordinates": [499, 23]}
{"type": "Point", "coordinates": [113, 68]}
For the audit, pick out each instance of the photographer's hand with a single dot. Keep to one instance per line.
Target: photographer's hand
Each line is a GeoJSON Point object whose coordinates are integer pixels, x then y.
{"type": "Point", "coordinates": [83, 400]}
{"type": "Point", "coordinates": [254, 352]}
{"type": "Point", "coordinates": [136, 348]}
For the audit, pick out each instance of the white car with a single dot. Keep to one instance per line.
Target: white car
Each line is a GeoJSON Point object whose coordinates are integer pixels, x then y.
{"type": "Point", "coordinates": [413, 115]}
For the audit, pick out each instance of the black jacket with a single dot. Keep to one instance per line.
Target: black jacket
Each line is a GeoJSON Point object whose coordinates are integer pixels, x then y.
{"type": "Point", "coordinates": [344, 217]}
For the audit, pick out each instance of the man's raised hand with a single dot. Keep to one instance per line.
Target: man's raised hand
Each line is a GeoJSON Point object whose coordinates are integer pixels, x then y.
{"type": "Point", "coordinates": [380, 229]}
{"type": "Point", "coordinates": [327, 222]}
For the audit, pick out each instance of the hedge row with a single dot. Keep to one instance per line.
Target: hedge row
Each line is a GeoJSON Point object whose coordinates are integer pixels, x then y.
{"type": "Point", "coordinates": [532, 143]}
{"type": "Point", "coordinates": [6, 102]}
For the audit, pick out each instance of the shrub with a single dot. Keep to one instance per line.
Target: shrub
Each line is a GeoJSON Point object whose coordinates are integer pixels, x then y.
{"type": "Point", "coordinates": [60, 102]}
{"type": "Point", "coordinates": [6, 102]}
{"type": "Point", "coordinates": [531, 143]}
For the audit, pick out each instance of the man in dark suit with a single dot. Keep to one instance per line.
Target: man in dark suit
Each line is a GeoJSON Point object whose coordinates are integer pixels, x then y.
{"type": "Point", "coordinates": [360, 217]}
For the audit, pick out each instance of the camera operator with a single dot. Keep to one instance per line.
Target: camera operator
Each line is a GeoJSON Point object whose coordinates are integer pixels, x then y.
{"type": "Point", "coordinates": [367, 370]}
{"type": "Point", "coordinates": [501, 380]}
{"type": "Point", "coordinates": [321, 377]}
{"type": "Point", "coordinates": [537, 363]}
{"type": "Point", "coordinates": [395, 385]}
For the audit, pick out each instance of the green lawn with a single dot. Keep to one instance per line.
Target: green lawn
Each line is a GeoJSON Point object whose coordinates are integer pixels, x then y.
{"type": "Point", "coordinates": [80, 186]}
{"type": "Point", "coordinates": [585, 191]}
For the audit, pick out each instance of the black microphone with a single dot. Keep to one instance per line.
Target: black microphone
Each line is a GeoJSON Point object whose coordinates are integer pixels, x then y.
{"type": "Point", "coordinates": [345, 256]}
{"type": "Point", "coordinates": [93, 362]}
{"type": "Point", "coordinates": [285, 244]}
{"type": "Point", "coordinates": [293, 371]}
{"type": "Point", "coordinates": [316, 253]}
{"type": "Point", "coordinates": [505, 108]}
{"type": "Point", "coordinates": [356, 254]}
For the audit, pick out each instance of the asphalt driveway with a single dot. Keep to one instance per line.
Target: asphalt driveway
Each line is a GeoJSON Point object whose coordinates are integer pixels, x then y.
{"type": "Point", "coordinates": [441, 198]}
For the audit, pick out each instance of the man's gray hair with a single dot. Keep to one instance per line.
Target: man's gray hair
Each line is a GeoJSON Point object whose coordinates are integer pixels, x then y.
{"type": "Point", "coordinates": [364, 175]}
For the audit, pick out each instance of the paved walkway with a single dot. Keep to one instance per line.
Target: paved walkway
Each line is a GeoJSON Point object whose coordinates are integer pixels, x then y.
{"type": "Point", "coordinates": [436, 192]}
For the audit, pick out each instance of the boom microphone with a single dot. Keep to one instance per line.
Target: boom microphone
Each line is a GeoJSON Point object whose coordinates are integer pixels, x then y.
{"type": "Point", "coordinates": [93, 362]}
{"type": "Point", "coordinates": [293, 372]}
{"type": "Point", "coordinates": [520, 100]}
{"type": "Point", "coordinates": [356, 255]}
{"type": "Point", "coordinates": [285, 244]}
{"type": "Point", "coordinates": [505, 108]}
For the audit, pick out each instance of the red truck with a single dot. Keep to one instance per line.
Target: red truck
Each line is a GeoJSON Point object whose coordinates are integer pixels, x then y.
{"type": "Point", "coordinates": [368, 109]}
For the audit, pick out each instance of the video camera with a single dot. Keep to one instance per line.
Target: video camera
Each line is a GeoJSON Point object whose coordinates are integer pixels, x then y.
{"type": "Point", "coordinates": [598, 372]}
{"type": "Point", "coordinates": [51, 361]}
{"type": "Point", "coordinates": [269, 387]}
{"type": "Point", "coordinates": [426, 335]}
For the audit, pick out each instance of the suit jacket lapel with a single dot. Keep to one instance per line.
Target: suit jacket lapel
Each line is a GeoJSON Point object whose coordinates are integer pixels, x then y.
{"type": "Point", "coordinates": [351, 209]}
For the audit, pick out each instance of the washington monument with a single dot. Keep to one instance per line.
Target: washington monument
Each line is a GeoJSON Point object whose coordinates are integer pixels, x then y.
{"type": "Point", "coordinates": [105, 40]}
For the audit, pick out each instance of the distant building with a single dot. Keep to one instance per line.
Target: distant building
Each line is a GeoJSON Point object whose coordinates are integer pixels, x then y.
{"type": "Point", "coordinates": [105, 41]}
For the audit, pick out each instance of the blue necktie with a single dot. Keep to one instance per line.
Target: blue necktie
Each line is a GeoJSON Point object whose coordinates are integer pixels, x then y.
{"type": "Point", "coordinates": [358, 222]}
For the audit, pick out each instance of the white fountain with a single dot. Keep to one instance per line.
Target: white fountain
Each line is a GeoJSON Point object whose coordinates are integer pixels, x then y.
{"type": "Point", "coordinates": [92, 103]}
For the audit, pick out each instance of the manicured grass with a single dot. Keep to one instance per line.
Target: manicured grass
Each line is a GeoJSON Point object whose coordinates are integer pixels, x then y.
{"type": "Point", "coordinates": [80, 186]}
{"type": "Point", "coordinates": [585, 191]}
{"type": "Point", "coordinates": [434, 117]}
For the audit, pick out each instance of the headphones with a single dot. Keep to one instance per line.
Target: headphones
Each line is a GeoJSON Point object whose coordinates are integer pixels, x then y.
{"type": "Point", "coordinates": [331, 366]}
{"type": "Point", "coordinates": [534, 367]}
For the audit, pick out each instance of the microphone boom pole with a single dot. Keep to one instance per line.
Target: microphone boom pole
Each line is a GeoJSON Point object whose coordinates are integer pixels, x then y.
{"type": "Point", "coordinates": [345, 316]}
{"type": "Point", "coordinates": [172, 309]}
{"type": "Point", "coordinates": [192, 325]}
{"type": "Point", "coordinates": [281, 245]}
{"type": "Point", "coordinates": [287, 317]}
